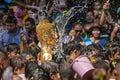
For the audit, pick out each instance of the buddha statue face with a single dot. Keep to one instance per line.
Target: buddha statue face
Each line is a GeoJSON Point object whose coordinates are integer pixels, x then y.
{"type": "Point", "coordinates": [46, 36]}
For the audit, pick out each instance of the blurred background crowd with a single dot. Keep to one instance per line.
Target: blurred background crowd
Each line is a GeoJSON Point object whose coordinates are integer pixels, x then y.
{"type": "Point", "coordinates": [59, 40]}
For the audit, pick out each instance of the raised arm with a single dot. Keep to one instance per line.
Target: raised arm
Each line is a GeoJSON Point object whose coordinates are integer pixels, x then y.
{"type": "Point", "coordinates": [23, 44]}
{"type": "Point", "coordinates": [105, 8]}
{"type": "Point", "coordinates": [113, 33]}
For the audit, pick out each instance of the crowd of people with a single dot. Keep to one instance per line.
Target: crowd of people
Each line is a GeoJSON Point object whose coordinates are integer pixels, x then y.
{"type": "Point", "coordinates": [28, 36]}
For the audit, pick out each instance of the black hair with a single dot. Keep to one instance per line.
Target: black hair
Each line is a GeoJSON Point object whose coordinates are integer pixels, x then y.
{"type": "Point", "coordinates": [99, 56]}
{"type": "Point", "coordinates": [72, 46]}
{"type": "Point", "coordinates": [50, 67]}
{"type": "Point", "coordinates": [66, 72]}
{"type": "Point", "coordinates": [90, 11]}
{"type": "Point", "coordinates": [31, 20]}
{"type": "Point", "coordinates": [34, 72]}
{"type": "Point", "coordinates": [11, 19]}
{"type": "Point", "coordinates": [30, 66]}
{"type": "Point", "coordinates": [95, 27]}
{"type": "Point", "coordinates": [101, 64]}
{"type": "Point", "coordinates": [77, 23]}
{"type": "Point", "coordinates": [33, 50]}
{"type": "Point", "coordinates": [12, 47]}
{"type": "Point", "coordinates": [17, 62]}
{"type": "Point", "coordinates": [110, 52]}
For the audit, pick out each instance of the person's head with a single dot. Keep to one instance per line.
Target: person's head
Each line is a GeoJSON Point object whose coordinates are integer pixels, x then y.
{"type": "Point", "coordinates": [96, 5]}
{"type": "Point", "coordinates": [13, 50]}
{"type": "Point", "coordinates": [69, 48]}
{"type": "Point", "coordinates": [53, 70]}
{"type": "Point", "coordinates": [31, 53]}
{"type": "Point", "coordinates": [95, 31]}
{"type": "Point", "coordinates": [34, 72]}
{"type": "Point", "coordinates": [90, 16]}
{"type": "Point", "coordinates": [11, 24]}
{"type": "Point", "coordinates": [28, 56]}
{"type": "Point", "coordinates": [3, 60]}
{"type": "Point", "coordinates": [77, 27]}
{"type": "Point", "coordinates": [30, 13]}
{"type": "Point", "coordinates": [113, 53]}
{"type": "Point", "coordinates": [18, 65]}
{"type": "Point", "coordinates": [66, 72]}
{"type": "Point", "coordinates": [4, 18]}
{"type": "Point", "coordinates": [19, 13]}
{"type": "Point", "coordinates": [101, 64]}
{"type": "Point", "coordinates": [116, 52]}
{"type": "Point", "coordinates": [29, 24]}
{"type": "Point", "coordinates": [30, 66]}
{"type": "Point", "coordinates": [104, 66]}
{"type": "Point", "coordinates": [113, 67]}
{"type": "Point", "coordinates": [15, 77]}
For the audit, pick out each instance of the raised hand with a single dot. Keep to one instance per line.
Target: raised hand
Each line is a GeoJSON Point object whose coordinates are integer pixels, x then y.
{"type": "Point", "coordinates": [106, 5]}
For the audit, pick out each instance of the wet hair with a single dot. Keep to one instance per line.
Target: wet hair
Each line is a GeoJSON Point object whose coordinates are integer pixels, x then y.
{"type": "Point", "coordinates": [33, 50]}
{"type": "Point", "coordinates": [31, 20]}
{"type": "Point", "coordinates": [99, 56]}
{"type": "Point", "coordinates": [88, 50]}
{"type": "Point", "coordinates": [11, 19]}
{"type": "Point", "coordinates": [13, 47]}
{"type": "Point", "coordinates": [50, 67]}
{"type": "Point", "coordinates": [95, 27]}
{"type": "Point", "coordinates": [17, 62]}
{"type": "Point", "coordinates": [30, 66]}
{"type": "Point", "coordinates": [34, 72]}
{"type": "Point", "coordinates": [72, 46]}
{"type": "Point", "coordinates": [66, 72]}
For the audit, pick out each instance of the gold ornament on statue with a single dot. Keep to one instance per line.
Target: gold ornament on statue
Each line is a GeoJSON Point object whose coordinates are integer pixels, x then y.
{"type": "Point", "coordinates": [46, 37]}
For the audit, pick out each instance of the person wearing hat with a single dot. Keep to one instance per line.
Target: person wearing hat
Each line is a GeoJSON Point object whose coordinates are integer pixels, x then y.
{"type": "Point", "coordinates": [94, 38]}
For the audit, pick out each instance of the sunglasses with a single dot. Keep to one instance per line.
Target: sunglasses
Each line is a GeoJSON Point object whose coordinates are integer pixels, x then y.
{"type": "Point", "coordinates": [78, 31]}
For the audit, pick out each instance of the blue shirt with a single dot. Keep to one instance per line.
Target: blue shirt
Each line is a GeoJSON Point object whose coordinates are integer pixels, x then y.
{"type": "Point", "coordinates": [102, 42]}
{"type": "Point", "coordinates": [8, 38]}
